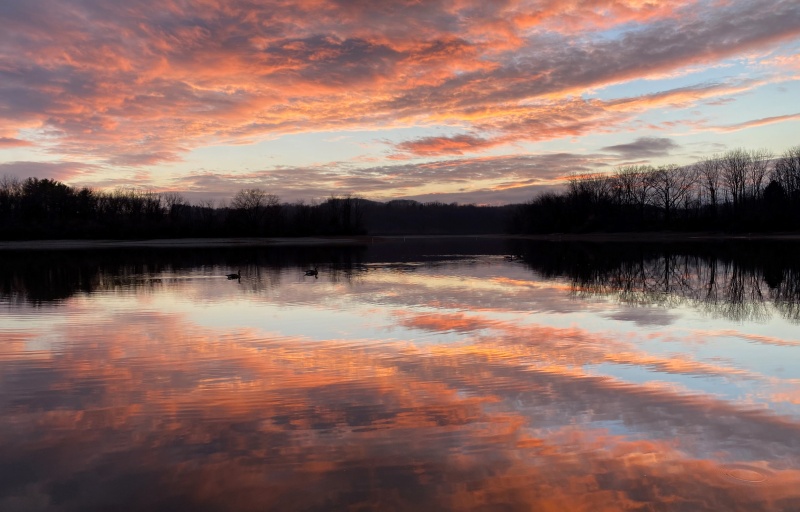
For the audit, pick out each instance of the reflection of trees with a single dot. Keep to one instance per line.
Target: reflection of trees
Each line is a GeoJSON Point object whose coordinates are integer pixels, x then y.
{"type": "Point", "coordinates": [47, 276]}
{"type": "Point", "coordinates": [739, 281]}
{"type": "Point", "coordinates": [785, 294]}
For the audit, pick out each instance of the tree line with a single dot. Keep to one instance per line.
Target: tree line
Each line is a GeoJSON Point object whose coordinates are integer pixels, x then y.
{"type": "Point", "coordinates": [739, 190]}
{"type": "Point", "coordinates": [44, 208]}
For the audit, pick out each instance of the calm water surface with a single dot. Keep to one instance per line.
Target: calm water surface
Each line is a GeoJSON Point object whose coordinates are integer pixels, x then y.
{"type": "Point", "coordinates": [403, 377]}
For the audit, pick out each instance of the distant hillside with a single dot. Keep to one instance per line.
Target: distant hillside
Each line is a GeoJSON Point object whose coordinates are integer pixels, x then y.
{"type": "Point", "coordinates": [406, 217]}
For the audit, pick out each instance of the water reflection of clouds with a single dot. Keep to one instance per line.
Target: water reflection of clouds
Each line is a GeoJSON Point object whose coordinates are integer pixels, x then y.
{"type": "Point", "coordinates": [480, 302]}
{"type": "Point", "coordinates": [312, 395]}
{"type": "Point", "coordinates": [482, 287]}
{"type": "Point", "coordinates": [202, 418]}
{"type": "Point", "coordinates": [649, 316]}
{"type": "Point", "coordinates": [456, 306]}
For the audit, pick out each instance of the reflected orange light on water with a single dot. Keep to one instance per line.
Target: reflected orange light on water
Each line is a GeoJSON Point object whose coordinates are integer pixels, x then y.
{"type": "Point", "coordinates": [513, 415]}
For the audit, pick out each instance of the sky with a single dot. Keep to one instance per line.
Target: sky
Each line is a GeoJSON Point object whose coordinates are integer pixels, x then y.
{"type": "Point", "coordinates": [473, 101]}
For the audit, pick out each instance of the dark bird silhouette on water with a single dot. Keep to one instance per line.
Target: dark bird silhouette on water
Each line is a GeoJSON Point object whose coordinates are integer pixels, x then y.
{"type": "Point", "coordinates": [312, 272]}
{"type": "Point", "coordinates": [237, 275]}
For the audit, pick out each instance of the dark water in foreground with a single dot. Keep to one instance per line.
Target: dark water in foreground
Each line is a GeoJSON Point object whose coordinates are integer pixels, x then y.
{"type": "Point", "coordinates": [407, 376]}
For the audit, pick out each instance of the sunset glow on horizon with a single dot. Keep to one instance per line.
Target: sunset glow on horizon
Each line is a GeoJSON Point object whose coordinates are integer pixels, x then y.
{"type": "Point", "coordinates": [445, 100]}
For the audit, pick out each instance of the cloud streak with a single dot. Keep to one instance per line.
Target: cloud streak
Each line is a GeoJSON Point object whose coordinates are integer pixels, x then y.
{"type": "Point", "coordinates": [60, 171]}
{"type": "Point", "coordinates": [643, 147]}
{"type": "Point", "coordinates": [759, 122]}
{"type": "Point", "coordinates": [9, 142]}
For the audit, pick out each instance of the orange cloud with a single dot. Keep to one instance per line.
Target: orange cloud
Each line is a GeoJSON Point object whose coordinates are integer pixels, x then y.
{"type": "Point", "coordinates": [786, 63]}
{"type": "Point", "coordinates": [455, 145]}
{"type": "Point", "coordinates": [8, 142]}
{"type": "Point", "coordinates": [586, 15]}
{"type": "Point", "coordinates": [758, 122]}
{"type": "Point", "coordinates": [61, 171]}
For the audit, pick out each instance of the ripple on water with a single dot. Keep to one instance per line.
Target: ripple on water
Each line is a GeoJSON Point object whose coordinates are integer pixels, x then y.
{"type": "Point", "coordinates": [746, 474]}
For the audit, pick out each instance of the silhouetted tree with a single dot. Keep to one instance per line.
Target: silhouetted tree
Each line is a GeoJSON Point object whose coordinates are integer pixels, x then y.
{"type": "Point", "coordinates": [253, 206]}
{"type": "Point", "coordinates": [671, 187]}
{"type": "Point", "coordinates": [786, 172]}
{"type": "Point", "coordinates": [736, 191]}
{"type": "Point", "coordinates": [734, 167]}
{"type": "Point", "coordinates": [757, 172]}
{"type": "Point", "coordinates": [709, 172]}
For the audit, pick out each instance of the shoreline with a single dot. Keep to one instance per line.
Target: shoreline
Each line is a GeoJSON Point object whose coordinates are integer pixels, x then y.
{"type": "Point", "coordinates": [177, 243]}
{"type": "Point", "coordinates": [649, 236]}
{"type": "Point", "coordinates": [174, 243]}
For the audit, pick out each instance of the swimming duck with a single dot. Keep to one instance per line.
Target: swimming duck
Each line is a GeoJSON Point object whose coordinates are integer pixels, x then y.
{"type": "Point", "coordinates": [237, 275]}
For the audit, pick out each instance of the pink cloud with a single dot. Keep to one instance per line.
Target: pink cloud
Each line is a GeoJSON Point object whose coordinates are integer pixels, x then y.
{"type": "Point", "coordinates": [8, 142]}
{"type": "Point", "coordinates": [758, 122]}
{"type": "Point", "coordinates": [59, 171]}
{"type": "Point", "coordinates": [789, 63]}
{"type": "Point", "coordinates": [438, 146]}
{"type": "Point", "coordinates": [586, 15]}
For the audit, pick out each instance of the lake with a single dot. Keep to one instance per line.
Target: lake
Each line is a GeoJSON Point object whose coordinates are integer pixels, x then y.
{"type": "Point", "coordinates": [416, 374]}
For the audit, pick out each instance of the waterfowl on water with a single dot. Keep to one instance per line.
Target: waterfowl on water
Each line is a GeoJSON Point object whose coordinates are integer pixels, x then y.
{"type": "Point", "coordinates": [312, 272]}
{"type": "Point", "coordinates": [237, 275]}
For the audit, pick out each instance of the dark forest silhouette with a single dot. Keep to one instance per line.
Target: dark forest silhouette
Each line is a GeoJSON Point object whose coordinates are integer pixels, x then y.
{"type": "Point", "coordinates": [737, 191]}
{"type": "Point", "coordinates": [43, 208]}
